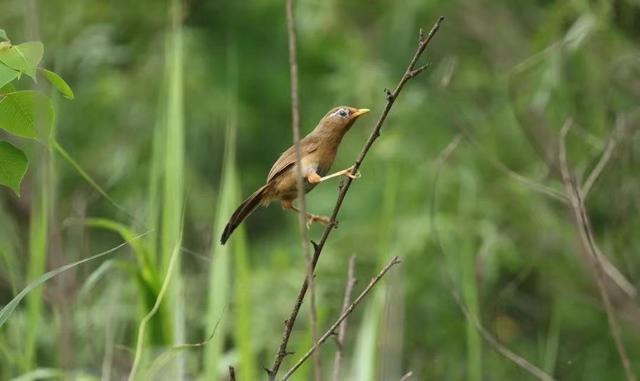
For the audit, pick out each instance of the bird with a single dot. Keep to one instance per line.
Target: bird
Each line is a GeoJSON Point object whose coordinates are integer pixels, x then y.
{"type": "Point", "coordinates": [318, 151]}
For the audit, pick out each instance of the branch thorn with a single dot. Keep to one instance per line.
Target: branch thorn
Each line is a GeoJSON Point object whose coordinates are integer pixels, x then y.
{"type": "Point", "coordinates": [388, 94]}
{"type": "Point", "coordinates": [417, 71]}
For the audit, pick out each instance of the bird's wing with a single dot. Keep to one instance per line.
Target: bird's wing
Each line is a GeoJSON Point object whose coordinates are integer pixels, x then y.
{"type": "Point", "coordinates": [288, 157]}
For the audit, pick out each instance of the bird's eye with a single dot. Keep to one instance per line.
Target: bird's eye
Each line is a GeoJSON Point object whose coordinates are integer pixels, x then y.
{"type": "Point", "coordinates": [343, 113]}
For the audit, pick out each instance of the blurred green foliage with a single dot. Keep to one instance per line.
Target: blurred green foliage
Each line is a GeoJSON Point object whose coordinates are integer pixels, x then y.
{"type": "Point", "coordinates": [25, 114]}
{"type": "Point", "coordinates": [179, 114]}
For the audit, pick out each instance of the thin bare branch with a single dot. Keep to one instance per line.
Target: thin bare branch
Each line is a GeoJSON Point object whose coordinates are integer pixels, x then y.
{"type": "Point", "coordinates": [331, 331]}
{"type": "Point", "coordinates": [502, 167]}
{"type": "Point", "coordinates": [391, 98]}
{"type": "Point", "coordinates": [232, 374]}
{"type": "Point", "coordinates": [604, 159]}
{"type": "Point", "coordinates": [506, 352]}
{"type": "Point", "coordinates": [295, 125]}
{"type": "Point", "coordinates": [518, 360]}
{"type": "Point", "coordinates": [417, 71]}
{"type": "Point", "coordinates": [342, 329]}
{"type": "Point", "coordinates": [583, 224]}
{"type": "Point", "coordinates": [597, 170]}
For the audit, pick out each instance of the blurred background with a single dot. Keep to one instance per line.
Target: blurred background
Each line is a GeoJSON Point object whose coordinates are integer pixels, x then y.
{"type": "Point", "coordinates": [181, 108]}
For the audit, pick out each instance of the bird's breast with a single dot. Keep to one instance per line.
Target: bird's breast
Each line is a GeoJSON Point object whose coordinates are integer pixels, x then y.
{"type": "Point", "coordinates": [324, 160]}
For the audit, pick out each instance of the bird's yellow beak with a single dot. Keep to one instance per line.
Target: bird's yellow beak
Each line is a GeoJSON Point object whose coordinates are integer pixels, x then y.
{"type": "Point", "coordinates": [360, 111]}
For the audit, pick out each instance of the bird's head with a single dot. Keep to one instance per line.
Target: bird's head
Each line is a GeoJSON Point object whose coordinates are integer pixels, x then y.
{"type": "Point", "coordinates": [340, 119]}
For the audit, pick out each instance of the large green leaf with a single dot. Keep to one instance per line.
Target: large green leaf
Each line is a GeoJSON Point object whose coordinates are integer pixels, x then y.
{"type": "Point", "coordinates": [13, 166]}
{"type": "Point", "coordinates": [24, 57]}
{"type": "Point", "coordinates": [7, 74]}
{"type": "Point", "coordinates": [28, 114]}
{"type": "Point", "coordinates": [13, 57]}
{"type": "Point", "coordinates": [57, 82]}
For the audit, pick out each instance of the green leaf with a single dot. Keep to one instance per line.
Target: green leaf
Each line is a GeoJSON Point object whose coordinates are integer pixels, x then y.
{"type": "Point", "coordinates": [13, 166]}
{"type": "Point", "coordinates": [57, 82]}
{"type": "Point", "coordinates": [3, 35]}
{"type": "Point", "coordinates": [7, 75]}
{"type": "Point", "coordinates": [33, 52]}
{"type": "Point", "coordinates": [13, 58]}
{"type": "Point", "coordinates": [24, 57]}
{"type": "Point", "coordinates": [28, 114]}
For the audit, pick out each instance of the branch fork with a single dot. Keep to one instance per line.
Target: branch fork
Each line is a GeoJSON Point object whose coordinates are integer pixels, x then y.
{"type": "Point", "coordinates": [410, 72]}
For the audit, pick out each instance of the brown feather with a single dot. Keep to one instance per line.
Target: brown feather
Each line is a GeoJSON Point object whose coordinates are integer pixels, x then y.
{"type": "Point", "coordinates": [308, 144]}
{"type": "Point", "coordinates": [318, 151]}
{"type": "Point", "coordinates": [244, 210]}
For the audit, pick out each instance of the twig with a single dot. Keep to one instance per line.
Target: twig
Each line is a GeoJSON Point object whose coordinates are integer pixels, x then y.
{"type": "Point", "coordinates": [502, 167]}
{"type": "Point", "coordinates": [331, 331]}
{"type": "Point", "coordinates": [586, 235]}
{"type": "Point", "coordinates": [391, 97]}
{"type": "Point", "coordinates": [407, 376]}
{"type": "Point", "coordinates": [295, 125]}
{"type": "Point", "coordinates": [506, 352]}
{"type": "Point", "coordinates": [232, 374]}
{"type": "Point", "coordinates": [342, 329]}
{"type": "Point", "coordinates": [518, 360]}
{"type": "Point", "coordinates": [604, 159]}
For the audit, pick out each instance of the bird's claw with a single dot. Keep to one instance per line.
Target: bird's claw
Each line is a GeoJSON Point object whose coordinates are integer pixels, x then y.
{"type": "Point", "coordinates": [316, 218]}
{"type": "Point", "coordinates": [352, 175]}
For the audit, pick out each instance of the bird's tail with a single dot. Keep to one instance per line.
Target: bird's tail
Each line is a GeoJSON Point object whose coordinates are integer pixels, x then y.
{"type": "Point", "coordinates": [244, 210]}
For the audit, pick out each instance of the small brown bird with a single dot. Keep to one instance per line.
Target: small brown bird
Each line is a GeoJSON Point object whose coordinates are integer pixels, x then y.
{"type": "Point", "coordinates": [318, 151]}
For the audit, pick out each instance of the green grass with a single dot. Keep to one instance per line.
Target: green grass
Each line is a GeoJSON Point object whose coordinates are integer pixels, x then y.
{"type": "Point", "coordinates": [172, 113]}
{"type": "Point", "coordinates": [219, 297]}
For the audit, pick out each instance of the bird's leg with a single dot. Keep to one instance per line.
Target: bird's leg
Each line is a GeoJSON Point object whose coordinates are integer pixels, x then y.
{"type": "Point", "coordinates": [314, 178]}
{"type": "Point", "coordinates": [311, 218]}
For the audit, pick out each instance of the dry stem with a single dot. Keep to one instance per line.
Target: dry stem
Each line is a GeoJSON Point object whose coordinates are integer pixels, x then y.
{"type": "Point", "coordinates": [331, 331]}
{"type": "Point", "coordinates": [304, 234]}
{"type": "Point", "coordinates": [506, 352]}
{"type": "Point", "coordinates": [342, 330]}
{"type": "Point", "coordinates": [391, 97]}
{"type": "Point", "coordinates": [586, 235]}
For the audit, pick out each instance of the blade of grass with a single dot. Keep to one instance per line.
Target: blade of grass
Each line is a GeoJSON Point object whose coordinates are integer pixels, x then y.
{"type": "Point", "coordinates": [168, 355]}
{"type": "Point", "coordinates": [39, 223]}
{"type": "Point", "coordinates": [392, 309]}
{"type": "Point", "coordinates": [364, 358]}
{"type": "Point", "coordinates": [148, 277]}
{"type": "Point", "coordinates": [143, 324]}
{"type": "Point", "coordinates": [553, 340]}
{"type": "Point", "coordinates": [9, 255]}
{"type": "Point", "coordinates": [10, 307]}
{"type": "Point", "coordinates": [173, 182]}
{"type": "Point", "coordinates": [221, 264]}
{"type": "Point", "coordinates": [220, 268]}
{"type": "Point", "coordinates": [368, 362]}
{"type": "Point", "coordinates": [145, 262]}
{"type": "Point", "coordinates": [468, 280]}
{"type": "Point", "coordinates": [243, 313]}
{"type": "Point", "coordinates": [38, 231]}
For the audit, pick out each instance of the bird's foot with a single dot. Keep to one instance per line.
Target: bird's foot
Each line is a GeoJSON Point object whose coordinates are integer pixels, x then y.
{"type": "Point", "coordinates": [311, 218]}
{"type": "Point", "coordinates": [349, 173]}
